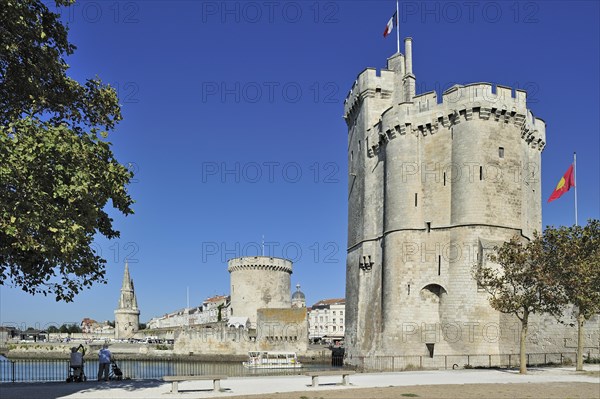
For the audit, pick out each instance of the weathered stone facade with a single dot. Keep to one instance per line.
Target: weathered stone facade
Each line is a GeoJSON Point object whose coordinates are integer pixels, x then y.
{"type": "Point", "coordinates": [127, 315]}
{"type": "Point", "coordinates": [258, 282]}
{"type": "Point", "coordinates": [433, 185]}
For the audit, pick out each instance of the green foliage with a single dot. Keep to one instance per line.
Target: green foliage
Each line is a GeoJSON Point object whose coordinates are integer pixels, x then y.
{"type": "Point", "coordinates": [53, 329]}
{"type": "Point", "coordinates": [574, 260]}
{"type": "Point", "coordinates": [517, 280]}
{"type": "Point", "coordinates": [33, 71]}
{"type": "Point", "coordinates": [57, 175]}
{"type": "Point", "coordinates": [69, 329]}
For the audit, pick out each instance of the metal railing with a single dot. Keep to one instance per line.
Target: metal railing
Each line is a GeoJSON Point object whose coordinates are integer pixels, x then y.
{"type": "Point", "coordinates": [402, 363]}
{"type": "Point", "coordinates": [46, 370]}
{"type": "Point", "coordinates": [24, 370]}
{"type": "Point", "coordinates": [42, 370]}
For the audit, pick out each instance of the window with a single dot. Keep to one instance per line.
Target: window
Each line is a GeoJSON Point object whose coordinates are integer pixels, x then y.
{"type": "Point", "coordinates": [416, 199]}
{"type": "Point", "coordinates": [341, 312]}
{"type": "Point", "coordinates": [333, 321]}
{"type": "Point", "coordinates": [501, 152]}
{"type": "Point", "coordinates": [334, 312]}
{"type": "Point", "coordinates": [481, 173]}
{"type": "Point", "coordinates": [334, 329]}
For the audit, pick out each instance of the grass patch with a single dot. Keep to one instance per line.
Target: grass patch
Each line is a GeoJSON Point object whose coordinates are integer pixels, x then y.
{"type": "Point", "coordinates": [409, 395]}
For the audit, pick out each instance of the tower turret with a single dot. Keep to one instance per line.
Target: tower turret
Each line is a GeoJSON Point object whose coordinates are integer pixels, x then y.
{"type": "Point", "coordinates": [430, 185]}
{"type": "Point", "coordinates": [127, 315]}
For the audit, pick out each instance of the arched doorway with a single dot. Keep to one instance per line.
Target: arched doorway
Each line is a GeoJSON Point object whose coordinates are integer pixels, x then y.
{"type": "Point", "coordinates": [431, 298]}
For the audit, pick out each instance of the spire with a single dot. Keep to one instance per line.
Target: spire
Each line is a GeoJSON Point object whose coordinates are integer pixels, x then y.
{"type": "Point", "coordinates": [127, 299]}
{"type": "Point", "coordinates": [126, 278]}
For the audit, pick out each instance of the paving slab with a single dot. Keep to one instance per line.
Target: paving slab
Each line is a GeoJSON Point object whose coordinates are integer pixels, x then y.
{"type": "Point", "coordinates": [150, 389]}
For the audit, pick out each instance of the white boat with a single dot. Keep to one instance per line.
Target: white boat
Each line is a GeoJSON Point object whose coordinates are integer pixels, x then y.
{"type": "Point", "coordinates": [272, 360]}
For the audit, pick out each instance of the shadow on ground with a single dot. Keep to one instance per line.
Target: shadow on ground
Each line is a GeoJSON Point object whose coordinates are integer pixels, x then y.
{"type": "Point", "coordinates": [52, 390]}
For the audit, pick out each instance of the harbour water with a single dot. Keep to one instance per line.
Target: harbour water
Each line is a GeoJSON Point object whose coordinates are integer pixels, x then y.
{"type": "Point", "coordinates": [29, 370]}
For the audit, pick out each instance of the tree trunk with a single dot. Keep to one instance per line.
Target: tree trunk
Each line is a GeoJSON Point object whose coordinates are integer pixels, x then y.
{"type": "Point", "coordinates": [580, 321]}
{"type": "Point", "coordinates": [522, 353]}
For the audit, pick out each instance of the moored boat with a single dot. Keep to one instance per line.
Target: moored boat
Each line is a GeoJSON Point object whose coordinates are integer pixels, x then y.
{"type": "Point", "coordinates": [272, 360]}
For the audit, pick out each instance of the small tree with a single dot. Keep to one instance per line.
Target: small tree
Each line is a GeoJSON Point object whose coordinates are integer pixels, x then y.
{"type": "Point", "coordinates": [518, 285]}
{"type": "Point", "coordinates": [74, 328]}
{"type": "Point", "coordinates": [574, 260]}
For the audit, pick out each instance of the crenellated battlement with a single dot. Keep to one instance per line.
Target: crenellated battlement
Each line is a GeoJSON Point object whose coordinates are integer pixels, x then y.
{"type": "Point", "coordinates": [260, 263]}
{"type": "Point", "coordinates": [425, 116]}
{"type": "Point", "coordinates": [431, 177]}
{"type": "Point", "coordinates": [369, 83]}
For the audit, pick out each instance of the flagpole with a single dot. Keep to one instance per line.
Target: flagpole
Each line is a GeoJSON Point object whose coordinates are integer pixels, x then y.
{"type": "Point", "coordinates": [397, 28]}
{"type": "Point", "coordinates": [575, 178]}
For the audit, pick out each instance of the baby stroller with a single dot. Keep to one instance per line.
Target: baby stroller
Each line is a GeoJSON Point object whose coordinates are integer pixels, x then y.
{"type": "Point", "coordinates": [115, 371]}
{"type": "Point", "coordinates": [76, 373]}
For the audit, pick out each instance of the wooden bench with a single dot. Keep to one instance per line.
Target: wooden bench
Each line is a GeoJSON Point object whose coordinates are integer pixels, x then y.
{"type": "Point", "coordinates": [175, 379]}
{"type": "Point", "coordinates": [344, 373]}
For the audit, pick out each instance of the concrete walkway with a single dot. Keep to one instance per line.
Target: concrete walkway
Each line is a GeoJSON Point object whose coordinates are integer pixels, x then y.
{"type": "Point", "coordinates": [262, 385]}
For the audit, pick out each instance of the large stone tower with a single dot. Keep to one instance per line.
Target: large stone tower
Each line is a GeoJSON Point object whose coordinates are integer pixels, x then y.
{"type": "Point", "coordinates": [259, 282]}
{"type": "Point", "coordinates": [433, 185]}
{"type": "Point", "coordinates": [127, 315]}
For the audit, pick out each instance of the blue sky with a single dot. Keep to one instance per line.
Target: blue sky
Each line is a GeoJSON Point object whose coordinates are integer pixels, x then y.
{"type": "Point", "coordinates": [233, 125]}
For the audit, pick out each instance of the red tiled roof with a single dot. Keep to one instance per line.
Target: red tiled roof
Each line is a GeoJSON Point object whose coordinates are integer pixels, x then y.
{"type": "Point", "coordinates": [333, 301]}
{"type": "Point", "coordinates": [216, 298]}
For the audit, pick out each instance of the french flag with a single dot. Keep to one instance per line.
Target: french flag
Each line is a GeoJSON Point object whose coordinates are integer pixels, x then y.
{"type": "Point", "coordinates": [390, 25]}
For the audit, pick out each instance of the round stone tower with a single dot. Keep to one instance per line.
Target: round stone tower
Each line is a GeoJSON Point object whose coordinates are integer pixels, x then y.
{"type": "Point", "coordinates": [259, 282]}
{"type": "Point", "coordinates": [433, 187]}
{"type": "Point", "coordinates": [127, 315]}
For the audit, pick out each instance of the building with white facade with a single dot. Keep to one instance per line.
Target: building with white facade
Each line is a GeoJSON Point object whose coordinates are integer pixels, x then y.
{"type": "Point", "coordinates": [326, 321]}
{"type": "Point", "coordinates": [212, 310]}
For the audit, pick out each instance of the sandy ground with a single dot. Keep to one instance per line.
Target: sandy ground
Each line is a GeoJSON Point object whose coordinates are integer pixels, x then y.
{"type": "Point", "coordinates": [539, 383]}
{"type": "Point", "coordinates": [575, 390]}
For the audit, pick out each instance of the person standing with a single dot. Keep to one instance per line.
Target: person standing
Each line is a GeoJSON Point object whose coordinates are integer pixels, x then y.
{"type": "Point", "coordinates": [104, 358]}
{"type": "Point", "coordinates": [77, 362]}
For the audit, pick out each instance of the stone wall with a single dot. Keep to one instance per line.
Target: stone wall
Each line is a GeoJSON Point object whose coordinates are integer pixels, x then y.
{"type": "Point", "coordinates": [278, 330]}
{"type": "Point", "coordinates": [432, 186]}
{"type": "Point", "coordinates": [259, 282]}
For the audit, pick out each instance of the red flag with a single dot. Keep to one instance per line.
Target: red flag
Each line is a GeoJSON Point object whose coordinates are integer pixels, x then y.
{"type": "Point", "coordinates": [564, 185]}
{"type": "Point", "coordinates": [390, 25]}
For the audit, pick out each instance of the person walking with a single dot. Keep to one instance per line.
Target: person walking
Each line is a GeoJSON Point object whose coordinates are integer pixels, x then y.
{"type": "Point", "coordinates": [104, 358]}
